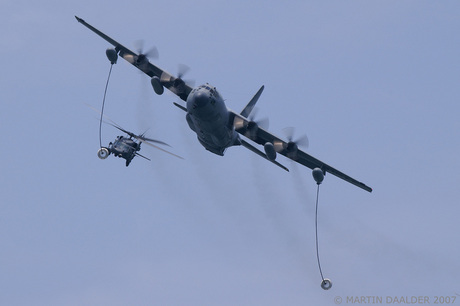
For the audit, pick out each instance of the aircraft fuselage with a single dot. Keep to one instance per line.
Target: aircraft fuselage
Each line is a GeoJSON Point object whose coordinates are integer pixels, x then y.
{"type": "Point", "coordinates": [208, 117]}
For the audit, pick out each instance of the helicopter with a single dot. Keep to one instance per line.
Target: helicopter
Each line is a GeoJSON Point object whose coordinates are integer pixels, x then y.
{"type": "Point", "coordinates": [128, 147]}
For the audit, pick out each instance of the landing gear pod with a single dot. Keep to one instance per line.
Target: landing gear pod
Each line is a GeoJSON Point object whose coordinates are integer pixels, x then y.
{"type": "Point", "coordinates": [156, 84]}
{"type": "Point", "coordinates": [103, 153]}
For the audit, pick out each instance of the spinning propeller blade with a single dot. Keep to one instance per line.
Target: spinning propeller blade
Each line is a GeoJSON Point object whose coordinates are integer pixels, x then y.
{"type": "Point", "coordinates": [152, 53]}
{"type": "Point", "coordinates": [301, 141]}
{"type": "Point", "coordinates": [262, 122]}
{"type": "Point", "coordinates": [182, 70]}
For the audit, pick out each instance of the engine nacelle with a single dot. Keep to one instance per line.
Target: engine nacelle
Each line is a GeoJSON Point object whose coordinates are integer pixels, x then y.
{"type": "Point", "coordinates": [157, 86]}
{"type": "Point", "coordinates": [112, 55]}
{"type": "Point", "coordinates": [270, 151]}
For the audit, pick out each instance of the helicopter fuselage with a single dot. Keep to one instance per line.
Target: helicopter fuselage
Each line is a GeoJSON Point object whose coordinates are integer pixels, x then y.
{"type": "Point", "coordinates": [124, 147]}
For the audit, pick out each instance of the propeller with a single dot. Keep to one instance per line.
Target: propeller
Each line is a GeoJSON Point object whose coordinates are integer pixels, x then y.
{"type": "Point", "coordinates": [262, 122]}
{"type": "Point", "coordinates": [152, 53]}
{"type": "Point", "coordinates": [293, 145]}
{"type": "Point", "coordinates": [176, 84]}
{"type": "Point", "coordinates": [251, 122]}
{"type": "Point", "coordinates": [254, 125]}
{"type": "Point", "coordinates": [301, 141]}
{"type": "Point", "coordinates": [182, 70]}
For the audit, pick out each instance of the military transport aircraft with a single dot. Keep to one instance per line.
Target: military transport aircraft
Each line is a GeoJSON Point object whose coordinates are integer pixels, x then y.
{"type": "Point", "coordinates": [216, 126]}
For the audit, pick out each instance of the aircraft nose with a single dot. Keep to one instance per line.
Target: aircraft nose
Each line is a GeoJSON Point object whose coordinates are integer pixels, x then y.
{"type": "Point", "coordinates": [200, 99]}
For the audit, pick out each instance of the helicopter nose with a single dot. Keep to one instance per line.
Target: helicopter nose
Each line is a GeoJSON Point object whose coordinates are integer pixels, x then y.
{"type": "Point", "coordinates": [200, 99]}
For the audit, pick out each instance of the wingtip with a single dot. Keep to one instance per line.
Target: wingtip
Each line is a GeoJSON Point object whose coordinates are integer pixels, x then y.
{"type": "Point", "coordinates": [78, 19]}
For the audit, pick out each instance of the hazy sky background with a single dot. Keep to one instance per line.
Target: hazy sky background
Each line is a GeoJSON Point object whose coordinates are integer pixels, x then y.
{"type": "Point", "coordinates": [374, 85]}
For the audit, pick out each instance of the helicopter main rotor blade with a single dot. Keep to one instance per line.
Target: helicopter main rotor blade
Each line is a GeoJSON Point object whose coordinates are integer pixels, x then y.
{"type": "Point", "coordinates": [139, 137]}
{"type": "Point", "coordinates": [137, 154]}
{"type": "Point", "coordinates": [123, 130]}
{"type": "Point", "coordinates": [145, 139]}
{"type": "Point", "coordinates": [99, 112]}
{"type": "Point", "coordinates": [157, 147]}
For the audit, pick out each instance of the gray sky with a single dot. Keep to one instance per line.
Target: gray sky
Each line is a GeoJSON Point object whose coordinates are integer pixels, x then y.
{"type": "Point", "coordinates": [374, 85]}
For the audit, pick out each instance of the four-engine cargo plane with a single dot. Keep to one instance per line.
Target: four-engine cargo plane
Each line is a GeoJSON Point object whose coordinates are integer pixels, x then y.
{"type": "Point", "coordinates": [216, 126]}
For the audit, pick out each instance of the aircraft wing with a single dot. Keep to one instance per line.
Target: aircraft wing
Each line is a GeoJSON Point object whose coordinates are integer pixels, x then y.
{"type": "Point", "coordinates": [261, 136]}
{"type": "Point", "coordinates": [175, 85]}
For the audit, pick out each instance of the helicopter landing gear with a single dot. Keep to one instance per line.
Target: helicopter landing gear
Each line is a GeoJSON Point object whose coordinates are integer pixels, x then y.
{"type": "Point", "coordinates": [103, 153]}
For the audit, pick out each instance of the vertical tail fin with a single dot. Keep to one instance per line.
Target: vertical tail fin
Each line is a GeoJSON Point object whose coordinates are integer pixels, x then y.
{"type": "Point", "coordinates": [247, 110]}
